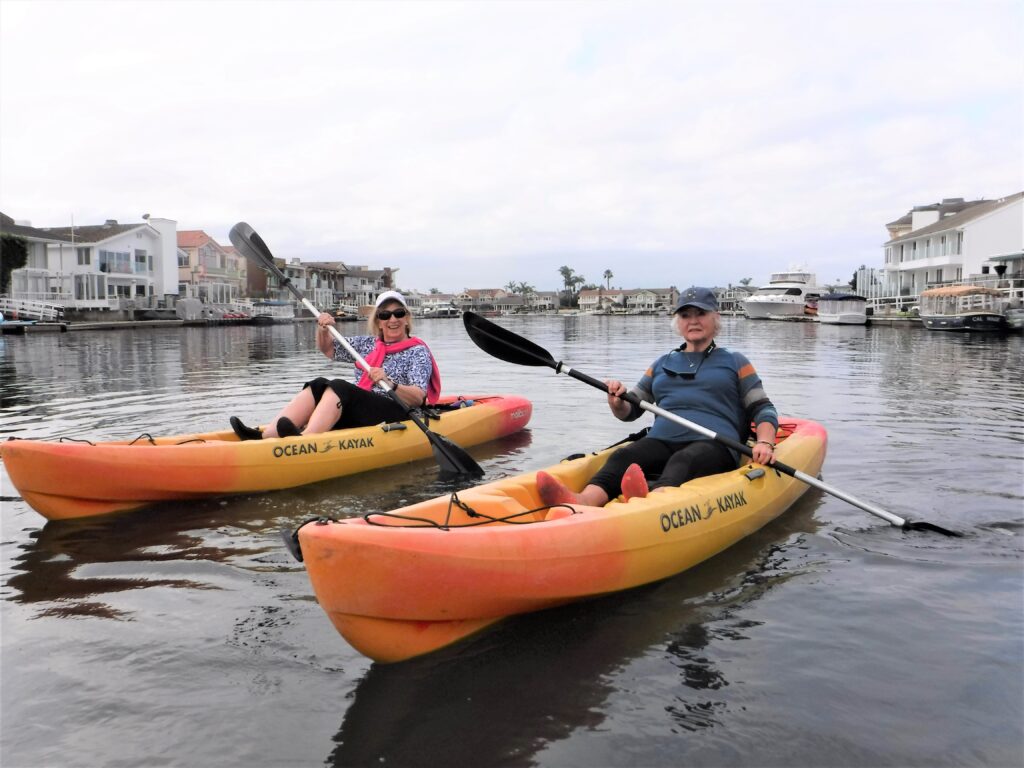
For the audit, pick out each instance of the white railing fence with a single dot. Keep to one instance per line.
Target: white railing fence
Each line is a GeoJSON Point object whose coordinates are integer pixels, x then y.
{"type": "Point", "coordinates": [25, 309]}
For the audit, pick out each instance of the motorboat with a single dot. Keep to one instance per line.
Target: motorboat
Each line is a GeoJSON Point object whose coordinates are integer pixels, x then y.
{"type": "Point", "coordinates": [272, 312]}
{"type": "Point", "coordinates": [788, 295]}
{"type": "Point", "coordinates": [842, 309]}
{"type": "Point", "coordinates": [440, 312]}
{"type": "Point", "coordinates": [963, 308]}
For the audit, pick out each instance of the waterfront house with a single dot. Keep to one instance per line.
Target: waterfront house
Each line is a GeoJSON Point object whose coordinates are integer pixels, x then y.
{"type": "Point", "coordinates": [209, 271]}
{"type": "Point", "coordinates": [636, 301]}
{"type": "Point", "coordinates": [603, 300]}
{"type": "Point", "coordinates": [955, 241]}
{"type": "Point", "coordinates": [109, 266]}
{"type": "Point", "coordinates": [730, 299]}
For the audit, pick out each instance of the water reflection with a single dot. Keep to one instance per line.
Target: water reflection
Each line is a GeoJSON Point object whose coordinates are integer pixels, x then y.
{"type": "Point", "coordinates": [53, 567]}
{"type": "Point", "coordinates": [498, 700]}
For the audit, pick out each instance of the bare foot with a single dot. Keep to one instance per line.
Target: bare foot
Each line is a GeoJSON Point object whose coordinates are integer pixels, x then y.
{"type": "Point", "coordinates": [634, 484]}
{"type": "Point", "coordinates": [553, 492]}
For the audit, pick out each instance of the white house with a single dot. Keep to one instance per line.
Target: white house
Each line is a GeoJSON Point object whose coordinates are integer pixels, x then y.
{"type": "Point", "coordinates": [106, 266]}
{"type": "Point", "coordinates": [951, 241]}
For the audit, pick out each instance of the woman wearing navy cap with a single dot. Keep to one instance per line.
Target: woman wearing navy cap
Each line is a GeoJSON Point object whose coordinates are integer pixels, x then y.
{"type": "Point", "coordinates": [700, 381]}
{"type": "Point", "coordinates": [393, 355]}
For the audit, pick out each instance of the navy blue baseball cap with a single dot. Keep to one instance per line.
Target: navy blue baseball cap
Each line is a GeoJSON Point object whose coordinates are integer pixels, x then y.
{"type": "Point", "coordinates": [702, 298]}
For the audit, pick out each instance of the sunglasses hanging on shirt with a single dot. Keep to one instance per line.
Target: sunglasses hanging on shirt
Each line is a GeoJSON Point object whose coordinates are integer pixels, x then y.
{"type": "Point", "coordinates": [689, 371]}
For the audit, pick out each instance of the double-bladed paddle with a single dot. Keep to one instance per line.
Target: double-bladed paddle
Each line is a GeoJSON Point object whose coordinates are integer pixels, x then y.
{"type": "Point", "coordinates": [453, 460]}
{"type": "Point", "coordinates": [508, 346]}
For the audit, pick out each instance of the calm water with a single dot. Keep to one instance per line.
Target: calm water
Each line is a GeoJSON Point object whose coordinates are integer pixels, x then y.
{"type": "Point", "coordinates": [186, 635]}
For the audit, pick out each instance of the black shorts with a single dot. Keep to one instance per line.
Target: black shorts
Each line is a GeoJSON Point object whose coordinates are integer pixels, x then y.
{"type": "Point", "coordinates": [359, 407]}
{"type": "Point", "coordinates": [676, 463]}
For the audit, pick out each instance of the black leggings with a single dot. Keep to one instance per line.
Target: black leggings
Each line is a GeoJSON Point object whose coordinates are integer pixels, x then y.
{"type": "Point", "coordinates": [676, 462]}
{"type": "Point", "coordinates": [359, 407]}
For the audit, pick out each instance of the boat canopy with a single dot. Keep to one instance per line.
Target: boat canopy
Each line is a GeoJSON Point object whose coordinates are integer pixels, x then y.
{"type": "Point", "coordinates": [961, 290]}
{"type": "Point", "coordinates": [841, 297]}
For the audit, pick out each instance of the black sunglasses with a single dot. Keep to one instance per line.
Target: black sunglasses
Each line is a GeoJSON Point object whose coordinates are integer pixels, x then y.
{"type": "Point", "coordinates": [386, 314]}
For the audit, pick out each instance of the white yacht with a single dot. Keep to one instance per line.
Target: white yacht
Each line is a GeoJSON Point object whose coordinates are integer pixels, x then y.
{"type": "Point", "coordinates": [791, 295]}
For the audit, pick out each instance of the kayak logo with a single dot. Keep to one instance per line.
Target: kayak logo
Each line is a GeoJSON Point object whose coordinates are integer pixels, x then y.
{"type": "Point", "coordinates": [731, 501]}
{"type": "Point", "coordinates": [680, 518]}
{"type": "Point", "coordinates": [302, 449]}
{"type": "Point", "coordinates": [518, 414]}
{"type": "Point", "coordinates": [360, 442]}
{"type": "Point", "coordinates": [295, 450]}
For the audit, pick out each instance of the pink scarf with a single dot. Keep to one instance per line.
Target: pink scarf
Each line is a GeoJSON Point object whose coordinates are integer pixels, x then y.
{"type": "Point", "coordinates": [381, 350]}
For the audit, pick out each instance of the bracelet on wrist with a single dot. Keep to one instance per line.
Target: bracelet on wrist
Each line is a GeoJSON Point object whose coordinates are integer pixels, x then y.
{"type": "Point", "coordinates": [765, 442]}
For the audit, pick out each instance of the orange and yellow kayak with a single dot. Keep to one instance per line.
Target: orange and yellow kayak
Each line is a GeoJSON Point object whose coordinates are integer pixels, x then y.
{"type": "Point", "coordinates": [407, 582]}
{"type": "Point", "coordinates": [62, 480]}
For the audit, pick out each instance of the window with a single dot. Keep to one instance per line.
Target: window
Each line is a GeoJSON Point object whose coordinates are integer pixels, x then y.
{"type": "Point", "coordinates": [84, 255]}
{"type": "Point", "coordinates": [115, 262]}
{"type": "Point", "coordinates": [182, 259]}
{"type": "Point", "coordinates": [140, 260]}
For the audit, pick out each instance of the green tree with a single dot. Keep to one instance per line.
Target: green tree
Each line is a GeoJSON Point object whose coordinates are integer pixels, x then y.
{"type": "Point", "coordinates": [746, 281]}
{"type": "Point", "coordinates": [13, 255]}
{"type": "Point", "coordinates": [608, 279]}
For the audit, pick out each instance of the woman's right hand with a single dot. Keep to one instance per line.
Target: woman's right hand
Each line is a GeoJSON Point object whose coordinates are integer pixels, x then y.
{"type": "Point", "coordinates": [325, 320]}
{"type": "Point", "coordinates": [615, 389]}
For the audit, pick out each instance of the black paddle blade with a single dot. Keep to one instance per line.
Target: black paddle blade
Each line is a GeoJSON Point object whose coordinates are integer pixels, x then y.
{"type": "Point", "coordinates": [503, 344]}
{"type": "Point", "coordinates": [452, 460]}
{"type": "Point", "coordinates": [922, 526]}
{"type": "Point", "coordinates": [251, 245]}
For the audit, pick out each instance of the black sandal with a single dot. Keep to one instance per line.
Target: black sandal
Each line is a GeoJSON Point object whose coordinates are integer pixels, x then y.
{"type": "Point", "coordinates": [244, 432]}
{"type": "Point", "coordinates": [286, 428]}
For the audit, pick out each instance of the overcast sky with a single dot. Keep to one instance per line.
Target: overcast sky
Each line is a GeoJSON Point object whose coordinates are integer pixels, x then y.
{"type": "Point", "coordinates": [473, 144]}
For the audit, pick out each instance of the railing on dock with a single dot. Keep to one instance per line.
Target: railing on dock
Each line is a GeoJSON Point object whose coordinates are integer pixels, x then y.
{"type": "Point", "coordinates": [25, 309]}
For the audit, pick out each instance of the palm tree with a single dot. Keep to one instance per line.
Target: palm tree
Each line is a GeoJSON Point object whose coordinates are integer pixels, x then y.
{"type": "Point", "coordinates": [608, 279]}
{"type": "Point", "coordinates": [567, 276]}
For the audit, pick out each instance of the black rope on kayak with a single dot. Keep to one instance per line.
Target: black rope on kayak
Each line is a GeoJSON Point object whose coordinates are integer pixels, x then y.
{"type": "Point", "coordinates": [291, 537]}
{"type": "Point", "coordinates": [145, 435]}
{"type": "Point", "coordinates": [74, 440]}
{"type": "Point", "coordinates": [455, 501]}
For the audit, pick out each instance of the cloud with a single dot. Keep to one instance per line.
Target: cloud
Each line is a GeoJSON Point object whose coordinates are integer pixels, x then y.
{"type": "Point", "coordinates": [474, 144]}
